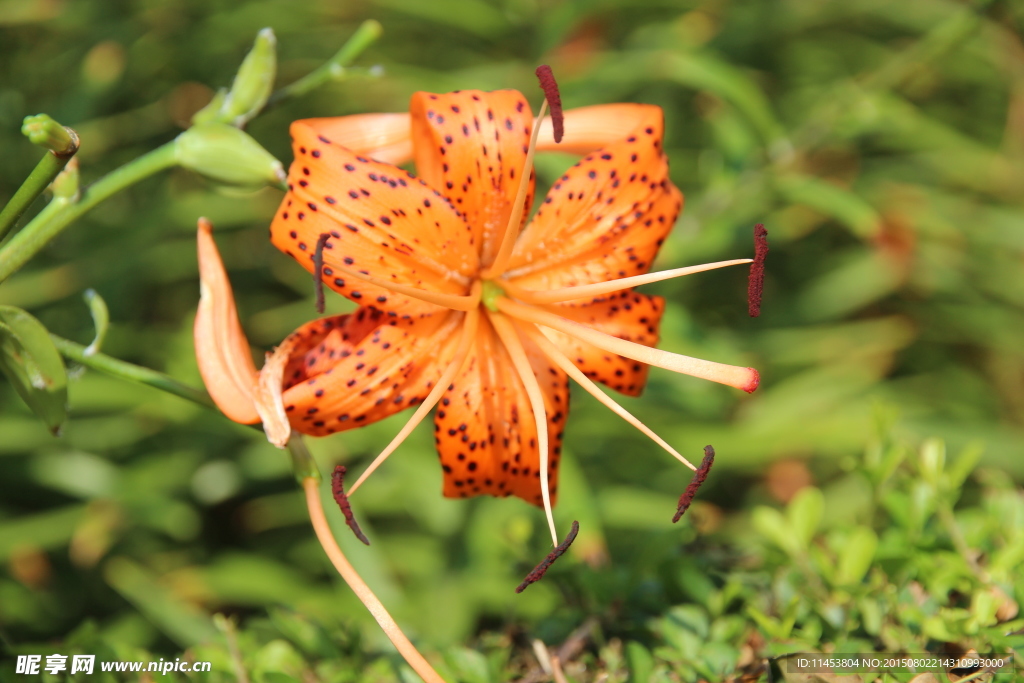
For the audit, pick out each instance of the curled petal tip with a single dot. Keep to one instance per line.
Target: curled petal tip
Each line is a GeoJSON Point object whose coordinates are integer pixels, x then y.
{"type": "Point", "coordinates": [269, 398]}
{"type": "Point", "coordinates": [222, 350]}
{"type": "Point", "coordinates": [755, 381]}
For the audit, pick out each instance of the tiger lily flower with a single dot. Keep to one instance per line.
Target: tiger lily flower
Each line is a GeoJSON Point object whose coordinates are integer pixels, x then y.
{"type": "Point", "coordinates": [459, 308]}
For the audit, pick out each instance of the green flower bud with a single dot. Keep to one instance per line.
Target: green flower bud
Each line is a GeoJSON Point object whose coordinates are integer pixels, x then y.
{"type": "Point", "coordinates": [254, 81]}
{"type": "Point", "coordinates": [228, 155]}
{"type": "Point", "coordinates": [211, 112]}
{"type": "Point", "coordinates": [44, 131]}
{"type": "Point", "coordinates": [65, 185]}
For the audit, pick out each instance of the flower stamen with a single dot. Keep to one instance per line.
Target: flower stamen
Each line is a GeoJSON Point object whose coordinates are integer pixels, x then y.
{"type": "Point", "coordinates": [515, 219]}
{"type": "Point", "coordinates": [755, 285]}
{"type": "Point", "coordinates": [456, 302]}
{"type": "Point", "coordinates": [541, 569]}
{"type": "Point", "coordinates": [554, 296]}
{"type": "Point", "coordinates": [469, 328]}
{"type": "Point", "coordinates": [323, 533]}
{"type": "Point", "coordinates": [510, 339]}
{"type": "Point", "coordinates": [698, 478]}
{"type": "Point", "coordinates": [746, 379]}
{"type": "Point", "coordinates": [551, 94]}
{"type": "Point", "coordinates": [567, 366]}
{"type": "Point", "coordinates": [338, 489]}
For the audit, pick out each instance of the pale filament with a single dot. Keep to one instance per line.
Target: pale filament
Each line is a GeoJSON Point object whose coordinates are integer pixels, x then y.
{"type": "Point", "coordinates": [323, 533]}
{"type": "Point", "coordinates": [515, 219]}
{"type": "Point", "coordinates": [456, 302]}
{"type": "Point", "coordinates": [554, 296]}
{"type": "Point", "coordinates": [569, 368]}
{"type": "Point", "coordinates": [734, 376]}
{"type": "Point", "coordinates": [469, 329]}
{"type": "Point", "coordinates": [510, 339]}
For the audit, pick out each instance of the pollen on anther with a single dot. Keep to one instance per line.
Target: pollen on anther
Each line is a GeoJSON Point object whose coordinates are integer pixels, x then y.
{"type": "Point", "coordinates": [550, 88]}
{"type": "Point", "coordinates": [755, 285]}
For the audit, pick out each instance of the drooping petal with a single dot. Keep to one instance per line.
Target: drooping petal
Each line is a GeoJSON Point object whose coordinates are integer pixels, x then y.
{"type": "Point", "coordinates": [605, 218]}
{"type": "Point", "coordinates": [222, 350]}
{"type": "Point", "coordinates": [627, 315]}
{"type": "Point", "coordinates": [351, 370]}
{"type": "Point", "coordinates": [472, 145]}
{"type": "Point", "coordinates": [382, 223]}
{"type": "Point", "coordinates": [484, 427]}
{"type": "Point", "coordinates": [384, 137]}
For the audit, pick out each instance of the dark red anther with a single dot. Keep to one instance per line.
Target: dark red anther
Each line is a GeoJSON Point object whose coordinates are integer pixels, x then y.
{"type": "Point", "coordinates": [318, 270]}
{"type": "Point", "coordinates": [550, 88]}
{"type": "Point", "coordinates": [755, 285]}
{"type": "Point", "coordinates": [698, 478]}
{"type": "Point", "coordinates": [338, 489]}
{"type": "Point", "coordinates": [538, 572]}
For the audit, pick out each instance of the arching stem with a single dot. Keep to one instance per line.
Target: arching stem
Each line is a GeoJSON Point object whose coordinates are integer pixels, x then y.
{"type": "Point", "coordinates": [420, 665]}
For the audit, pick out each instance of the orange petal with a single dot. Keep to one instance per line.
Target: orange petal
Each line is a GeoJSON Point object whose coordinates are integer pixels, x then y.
{"type": "Point", "coordinates": [382, 222]}
{"type": "Point", "coordinates": [605, 218]}
{"type": "Point", "coordinates": [351, 370]}
{"type": "Point", "coordinates": [269, 394]}
{"type": "Point", "coordinates": [627, 315]}
{"type": "Point", "coordinates": [590, 128]}
{"type": "Point", "coordinates": [222, 351]}
{"type": "Point", "coordinates": [384, 137]}
{"type": "Point", "coordinates": [484, 427]}
{"type": "Point", "coordinates": [472, 145]}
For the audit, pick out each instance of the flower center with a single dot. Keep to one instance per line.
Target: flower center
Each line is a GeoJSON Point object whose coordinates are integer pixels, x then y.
{"type": "Point", "coordinates": [490, 294]}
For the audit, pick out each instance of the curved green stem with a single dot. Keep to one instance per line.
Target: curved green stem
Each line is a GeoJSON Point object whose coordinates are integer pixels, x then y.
{"type": "Point", "coordinates": [60, 213]}
{"type": "Point", "coordinates": [135, 373]}
{"type": "Point", "coordinates": [336, 67]}
{"type": "Point", "coordinates": [38, 180]}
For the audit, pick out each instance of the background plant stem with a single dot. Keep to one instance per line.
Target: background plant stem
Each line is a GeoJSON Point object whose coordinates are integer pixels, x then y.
{"type": "Point", "coordinates": [38, 180]}
{"type": "Point", "coordinates": [135, 373]}
{"type": "Point", "coordinates": [60, 213]}
{"type": "Point", "coordinates": [334, 68]}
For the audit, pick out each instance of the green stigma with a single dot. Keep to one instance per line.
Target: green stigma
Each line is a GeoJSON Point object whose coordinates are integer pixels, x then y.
{"type": "Point", "coordinates": [490, 293]}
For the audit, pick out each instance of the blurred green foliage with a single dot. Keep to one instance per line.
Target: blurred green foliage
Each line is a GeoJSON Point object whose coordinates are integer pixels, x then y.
{"type": "Point", "coordinates": [882, 144]}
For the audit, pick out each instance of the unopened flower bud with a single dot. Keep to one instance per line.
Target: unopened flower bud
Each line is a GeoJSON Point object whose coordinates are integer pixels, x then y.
{"type": "Point", "coordinates": [253, 82]}
{"type": "Point", "coordinates": [65, 185]}
{"type": "Point", "coordinates": [211, 113]}
{"type": "Point", "coordinates": [44, 131]}
{"type": "Point", "coordinates": [226, 154]}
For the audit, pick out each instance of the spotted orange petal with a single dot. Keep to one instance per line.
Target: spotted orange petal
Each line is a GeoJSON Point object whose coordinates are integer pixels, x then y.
{"type": "Point", "coordinates": [590, 128]}
{"type": "Point", "coordinates": [484, 427]}
{"type": "Point", "coordinates": [384, 137]}
{"type": "Point", "coordinates": [382, 222]}
{"type": "Point", "coordinates": [605, 218]}
{"type": "Point", "coordinates": [351, 370]}
{"type": "Point", "coordinates": [471, 146]}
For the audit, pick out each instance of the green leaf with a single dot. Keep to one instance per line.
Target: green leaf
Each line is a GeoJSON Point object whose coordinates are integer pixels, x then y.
{"type": "Point", "coordinates": [641, 663]}
{"type": "Point", "coordinates": [469, 666]}
{"type": "Point", "coordinates": [100, 319]}
{"type": "Point", "coordinates": [933, 460]}
{"type": "Point", "coordinates": [804, 514]}
{"type": "Point", "coordinates": [32, 364]}
{"type": "Point", "coordinates": [856, 556]}
{"type": "Point", "coordinates": [771, 524]}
